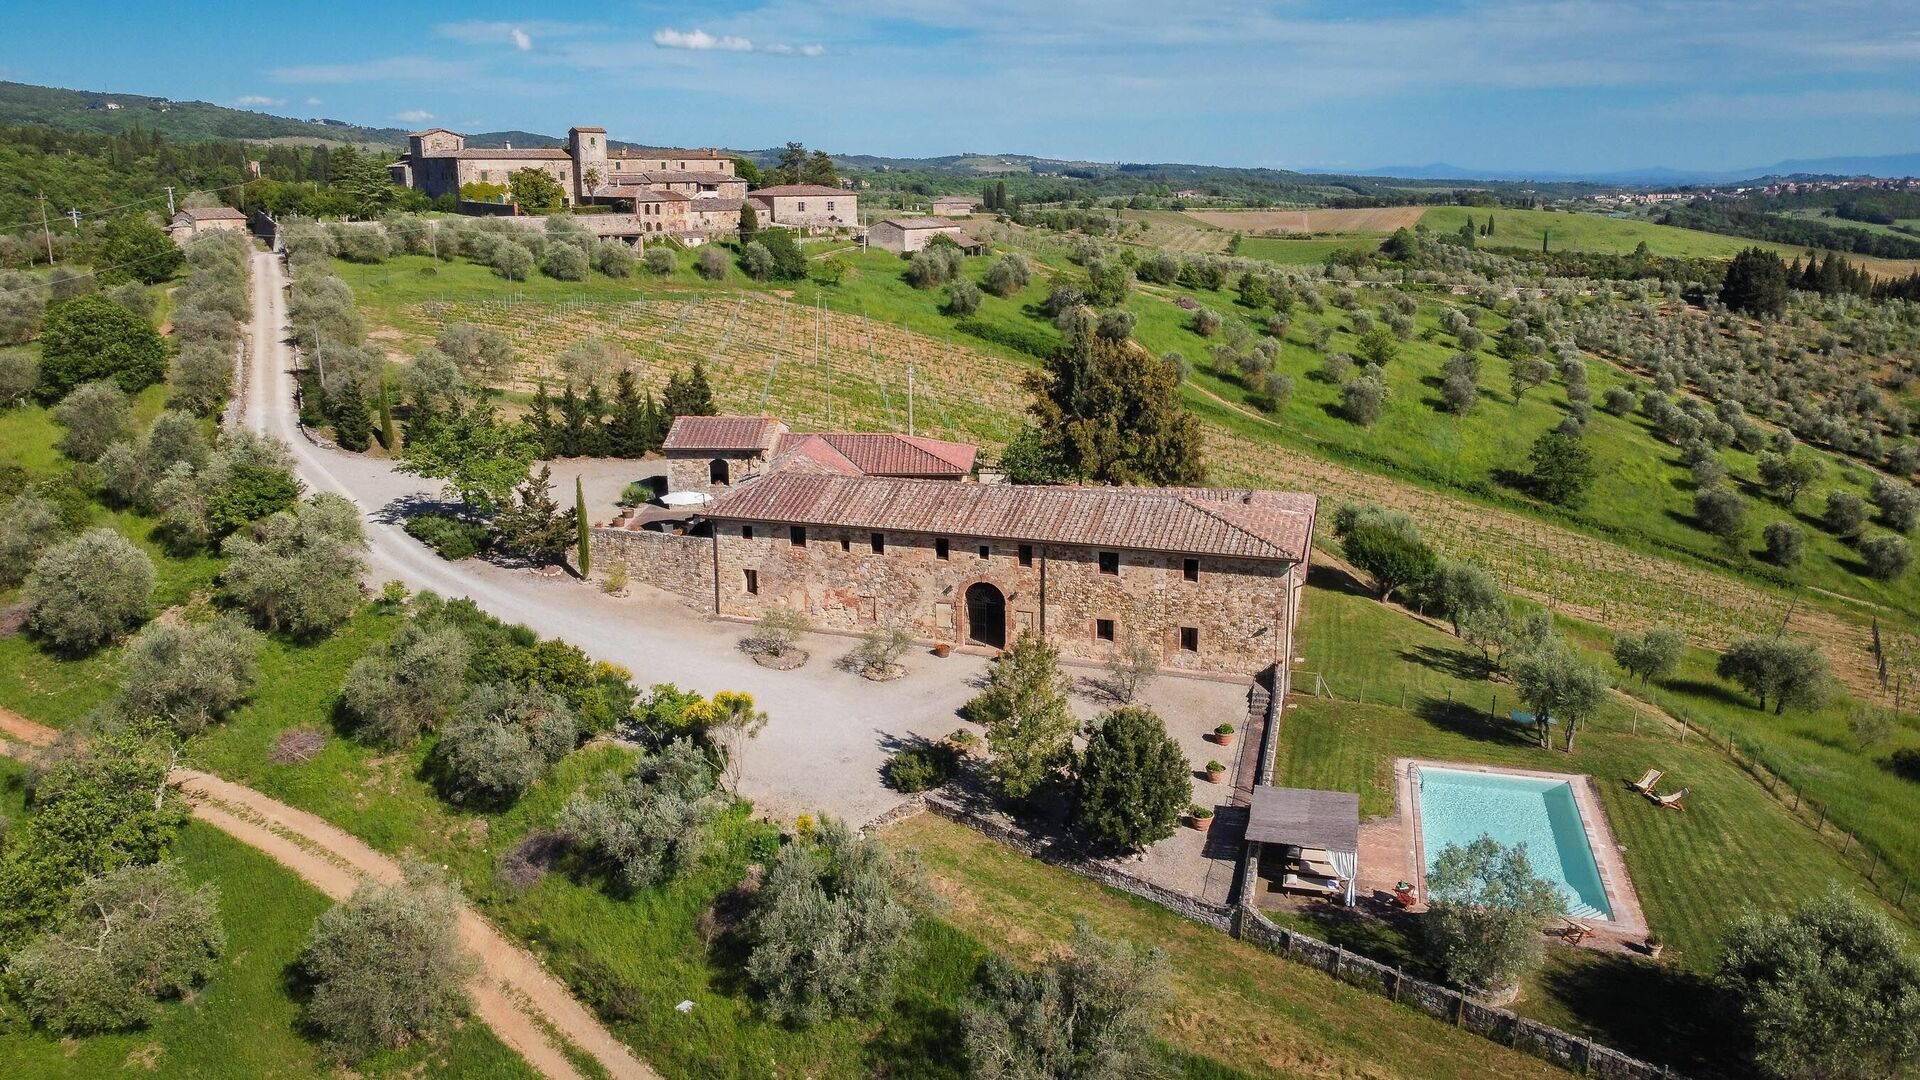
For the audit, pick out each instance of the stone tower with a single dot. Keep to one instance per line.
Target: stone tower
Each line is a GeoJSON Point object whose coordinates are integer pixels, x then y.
{"type": "Point", "coordinates": [587, 146]}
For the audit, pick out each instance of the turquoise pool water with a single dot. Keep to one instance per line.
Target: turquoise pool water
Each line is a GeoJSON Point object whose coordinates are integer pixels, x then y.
{"type": "Point", "coordinates": [1457, 806]}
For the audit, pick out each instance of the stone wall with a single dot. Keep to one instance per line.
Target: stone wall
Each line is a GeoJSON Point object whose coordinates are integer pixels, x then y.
{"type": "Point", "coordinates": [682, 565]}
{"type": "Point", "coordinates": [814, 210]}
{"type": "Point", "coordinates": [690, 471]}
{"type": "Point", "coordinates": [1238, 606]}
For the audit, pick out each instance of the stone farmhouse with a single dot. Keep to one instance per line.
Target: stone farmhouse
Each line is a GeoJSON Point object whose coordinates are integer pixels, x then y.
{"type": "Point", "coordinates": [687, 194]}
{"type": "Point", "coordinates": [195, 220]}
{"type": "Point", "coordinates": [711, 453]}
{"type": "Point", "coordinates": [955, 206]}
{"type": "Point", "coordinates": [1210, 579]}
{"type": "Point", "coordinates": [904, 236]}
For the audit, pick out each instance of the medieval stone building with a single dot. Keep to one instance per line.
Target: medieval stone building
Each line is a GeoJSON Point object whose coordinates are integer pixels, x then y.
{"type": "Point", "coordinates": [1209, 579]}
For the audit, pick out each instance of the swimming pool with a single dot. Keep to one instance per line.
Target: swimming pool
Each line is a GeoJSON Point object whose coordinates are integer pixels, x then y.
{"type": "Point", "coordinates": [1457, 806]}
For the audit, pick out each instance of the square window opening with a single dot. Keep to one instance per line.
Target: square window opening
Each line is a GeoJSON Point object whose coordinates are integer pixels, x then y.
{"type": "Point", "coordinates": [940, 548]}
{"type": "Point", "coordinates": [879, 541]}
{"type": "Point", "coordinates": [797, 536]}
{"type": "Point", "coordinates": [753, 582]}
{"type": "Point", "coordinates": [1189, 639]}
{"type": "Point", "coordinates": [1103, 629]}
{"type": "Point", "coordinates": [746, 532]}
{"type": "Point", "coordinates": [1190, 569]}
{"type": "Point", "coordinates": [1110, 562]}
{"type": "Point", "coordinates": [986, 552]}
{"type": "Point", "coordinates": [1026, 554]}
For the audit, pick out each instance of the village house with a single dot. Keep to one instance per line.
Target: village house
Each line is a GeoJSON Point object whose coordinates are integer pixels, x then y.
{"type": "Point", "coordinates": [195, 220]}
{"type": "Point", "coordinates": [903, 236]}
{"type": "Point", "coordinates": [858, 530]}
{"type": "Point", "coordinates": [807, 206]}
{"type": "Point", "coordinates": [955, 205]}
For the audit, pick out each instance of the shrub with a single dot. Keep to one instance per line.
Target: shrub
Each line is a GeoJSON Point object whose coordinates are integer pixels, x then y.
{"type": "Point", "coordinates": [645, 827]}
{"type": "Point", "coordinates": [1846, 513]}
{"type": "Point", "coordinates": [1362, 398]}
{"type": "Point", "coordinates": [963, 298]}
{"type": "Point", "coordinates": [1651, 655]}
{"type": "Point", "coordinates": [407, 686]}
{"type": "Point", "coordinates": [132, 937]}
{"type": "Point", "coordinates": [84, 592]}
{"type": "Point", "coordinates": [711, 263]}
{"type": "Point", "coordinates": [19, 376]}
{"type": "Point", "coordinates": [616, 260]}
{"type": "Point", "coordinates": [1132, 780]}
{"type": "Point", "coordinates": [91, 338]}
{"type": "Point", "coordinates": [1786, 543]}
{"type": "Point", "coordinates": [828, 930]}
{"type": "Point", "coordinates": [95, 416]}
{"type": "Point", "coordinates": [564, 262]}
{"type": "Point", "coordinates": [777, 632]}
{"type": "Point", "coordinates": [452, 537]}
{"type": "Point", "coordinates": [920, 767]}
{"type": "Point", "coordinates": [1486, 907]}
{"type": "Point", "coordinates": [1008, 275]}
{"type": "Point", "coordinates": [1094, 1011]}
{"type": "Point", "coordinates": [756, 261]}
{"type": "Point", "coordinates": [1899, 504]}
{"type": "Point", "coordinates": [189, 675]}
{"type": "Point", "coordinates": [1887, 557]}
{"type": "Point", "coordinates": [1206, 322]}
{"type": "Point", "coordinates": [512, 261]}
{"type": "Point", "coordinates": [23, 303]}
{"type": "Point", "coordinates": [1722, 512]}
{"type": "Point", "coordinates": [502, 740]}
{"type": "Point", "coordinates": [387, 966]}
{"type": "Point", "coordinates": [659, 260]}
{"type": "Point", "coordinates": [880, 650]}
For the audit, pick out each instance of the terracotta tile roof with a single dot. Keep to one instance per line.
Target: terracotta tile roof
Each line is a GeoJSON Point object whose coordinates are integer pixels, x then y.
{"type": "Point", "coordinates": [717, 204]}
{"type": "Point", "coordinates": [1236, 523]}
{"type": "Point", "coordinates": [724, 433]}
{"type": "Point", "coordinates": [678, 176]}
{"type": "Point", "coordinates": [666, 153]}
{"type": "Point", "coordinates": [212, 213]}
{"type": "Point", "coordinates": [483, 154]}
{"type": "Point", "coordinates": [785, 190]}
{"type": "Point", "coordinates": [881, 453]}
{"type": "Point", "coordinates": [638, 194]}
{"type": "Point", "coordinates": [945, 224]}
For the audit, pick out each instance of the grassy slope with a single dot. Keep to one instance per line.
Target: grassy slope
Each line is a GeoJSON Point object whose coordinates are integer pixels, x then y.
{"type": "Point", "coordinates": [1304, 252]}
{"type": "Point", "coordinates": [245, 1022]}
{"type": "Point", "coordinates": [1591, 232]}
{"type": "Point", "coordinates": [1736, 848]}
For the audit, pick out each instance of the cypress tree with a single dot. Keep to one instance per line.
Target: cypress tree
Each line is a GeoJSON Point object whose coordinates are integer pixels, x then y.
{"type": "Point", "coordinates": [580, 523]}
{"type": "Point", "coordinates": [573, 423]}
{"type": "Point", "coordinates": [387, 436]}
{"type": "Point", "coordinates": [593, 440]}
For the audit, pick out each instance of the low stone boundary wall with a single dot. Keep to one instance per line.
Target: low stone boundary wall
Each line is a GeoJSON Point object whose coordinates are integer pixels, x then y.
{"type": "Point", "coordinates": [1571, 1052]}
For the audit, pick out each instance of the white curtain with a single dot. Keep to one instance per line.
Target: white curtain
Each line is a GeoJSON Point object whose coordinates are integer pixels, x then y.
{"type": "Point", "coordinates": [1347, 862]}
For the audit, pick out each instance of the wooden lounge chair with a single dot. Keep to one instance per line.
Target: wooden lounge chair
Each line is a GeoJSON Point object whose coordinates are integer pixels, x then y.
{"type": "Point", "coordinates": [1313, 883]}
{"type": "Point", "coordinates": [1671, 800]}
{"type": "Point", "coordinates": [1644, 785]}
{"type": "Point", "coordinates": [1575, 931]}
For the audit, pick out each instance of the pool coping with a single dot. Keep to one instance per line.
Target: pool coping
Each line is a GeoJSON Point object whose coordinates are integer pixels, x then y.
{"type": "Point", "coordinates": [1622, 899]}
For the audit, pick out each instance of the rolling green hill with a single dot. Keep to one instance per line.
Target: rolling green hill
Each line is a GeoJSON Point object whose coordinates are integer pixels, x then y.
{"type": "Point", "coordinates": [86, 110]}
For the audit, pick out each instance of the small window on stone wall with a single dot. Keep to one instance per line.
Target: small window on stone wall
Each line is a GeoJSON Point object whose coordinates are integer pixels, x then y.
{"type": "Point", "coordinates": [797, 535]}
{"type": "Point", "coordinates": [1102, 628]}
{"type": "Point", "coordinates": [746, 532]}
{"type": "Point", "coordinates": [1190, 569]}
{"type": "Point", "coordinates": [846, 543]}
{"type": "Point", "coordinates": [940, 548]}
{"type": "Point", "coordinates": [1026, 554]}
{"type": "Point", "coordinates": [753, 582]}
{"type": "Point", "coordinates": [1110, 562]}
{"type": "Point", "coordinates": [879, 542]}
{"type": "Point", "coordinates": [986, 552]}
{"type": "Point", "coordinates": [1189, 639]}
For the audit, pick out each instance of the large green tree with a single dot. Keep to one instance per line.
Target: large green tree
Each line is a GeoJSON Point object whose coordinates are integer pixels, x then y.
{"type": "Point", "coordinates": [1385, 545]}
{"type": "Point", "coordinates": [1132, 781]}
{"type": "Point", "coordinates": [1111, 412]}
{"type": "Point", "coordinates": [1485, 910]}
{"type": "Point", "coordinates": [1557, 685]}
{"type": "Point", "coordinates": [1024, 709]}
{"type": "Point", "coordinates": [1091, 1012]}
{"type": "Point", "coordinates": [136, 249]}
{"type": "Point", "coordinates": [479, 457]}
{"type": "Point", "coordinates": [1756, 283]}
{"type": "Point", "coordinates": [89, 338]}
{"type": "Point", "coordinates": [533, 189]}
{"type": "Point", "coordinates": [1563, 469]}
{"type": "Point", "coordinates": [1829, 991]}
{"type": "Point", "coordinates": [1787, 671]}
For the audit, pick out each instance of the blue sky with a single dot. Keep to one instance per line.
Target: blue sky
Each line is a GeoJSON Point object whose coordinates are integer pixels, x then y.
{"type": "Point", "coordinates": [1497, 84]}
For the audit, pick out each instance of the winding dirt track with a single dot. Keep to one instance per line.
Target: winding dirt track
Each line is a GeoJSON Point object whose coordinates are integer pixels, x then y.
{"type": "Point", "coordinates": [512, 992]}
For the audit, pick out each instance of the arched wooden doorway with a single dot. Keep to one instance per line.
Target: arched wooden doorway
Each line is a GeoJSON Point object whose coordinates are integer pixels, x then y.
{"type": "Point", "coordinates": [986, 615]}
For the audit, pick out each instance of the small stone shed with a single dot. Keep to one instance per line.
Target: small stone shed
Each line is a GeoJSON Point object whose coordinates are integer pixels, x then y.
{"type": "Point", "coordinates": [195, 220]}
{"type": "Point", "coordinates": [1284, 820]}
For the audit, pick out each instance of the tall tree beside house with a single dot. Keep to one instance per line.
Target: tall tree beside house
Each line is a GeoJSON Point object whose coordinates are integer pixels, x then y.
{"type": "Point", "coordinates": [819, 170]}
{"type": "Point", "coordinates": [1111, 413]}
{"type": "Point", "coordinates": [582, 542]}
{"type": "Point", "coordinates": [749, 222]}
{"type": "Point", "coordinates": [1132, 781]}
{"type": "Point", "coordinates": [533, 189]}
{"type": "Point", "coordinates": [138, 250]}
{"type": "Point", "coordinates": [636, 428]}
{"type": "Point", "coordinates": [689, 396]}
{"type": "Point", "coordinates": [792, 164]}
{"type": "Point", "coordinates": [746, 169]}
{"type": "Point", "coordinates": [1024, 709]}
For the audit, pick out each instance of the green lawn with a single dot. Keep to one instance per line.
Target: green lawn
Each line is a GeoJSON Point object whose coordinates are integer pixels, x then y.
{"type": "Point", "coordinates": [1602, 233]}
{"type": "Point", "coordinates": [245, 1022]}
{"type": "Point", "coordinates": [1303, 252]}
{"type": "Point", "coordinates": [1405, 689]}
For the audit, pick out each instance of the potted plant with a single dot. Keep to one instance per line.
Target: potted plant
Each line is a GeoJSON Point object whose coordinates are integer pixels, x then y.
{"type": "Point", "coordinates": [1215, 772]}
{"type": "Point", "coordinates": [1223, 734]}
{"type": "Point", "coordinates": [942, 648]}
{"type": "Point", "coordinates": [1199, 816]}
{"type": "Point", "coordinates": [1654, 946]}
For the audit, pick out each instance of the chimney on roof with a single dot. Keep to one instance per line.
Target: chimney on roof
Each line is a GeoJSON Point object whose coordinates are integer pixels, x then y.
{"type": "Point", "coordinates": [509, 144]}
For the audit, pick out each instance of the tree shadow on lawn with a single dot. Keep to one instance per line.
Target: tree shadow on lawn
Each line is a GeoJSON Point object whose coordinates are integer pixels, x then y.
{"type": "Point", "coordinates": [1460, 718]}
{"type": "Point", "coordinates": [1459, 664]}
{"type": "Point", "coordinates": [1711, 690]}
{"type": "Point", "coordinates": [922, 1037]}
{"type": "Point", "coordinates": [1655, 1012]}
{"type": "Point", "coordinates": [1335, 579]}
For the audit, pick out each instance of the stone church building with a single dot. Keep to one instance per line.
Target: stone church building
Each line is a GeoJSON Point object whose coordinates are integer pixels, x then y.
{"type": "Point", "coordinates": [1209, 578]}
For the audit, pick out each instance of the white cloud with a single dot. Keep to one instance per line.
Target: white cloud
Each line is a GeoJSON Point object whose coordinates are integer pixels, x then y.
{"type": "Point", "coordinates": [700, 41]}
{"type": "Point", "coordinates": [251, 100]}
{"type": "Point", "coordinates": [520, 35]}
{"type": "Point", "coordinates": [313, 100]}
{"type": "Point", "coordinates": [413, 116]}
{"type": "Point", "coordinates": [520, 39]}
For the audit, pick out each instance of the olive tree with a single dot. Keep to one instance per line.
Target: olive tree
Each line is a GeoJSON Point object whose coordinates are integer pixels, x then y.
{"type": "Point", "coordinates": [405, 688]}
{"type": "Point", "coordinates": [1557, 685]}
{"type": "Point", "coordinates": [1093, 1011]}
{"type": "Point", "coordinates": [189, 674]}
{"type": "Point", "coordinates": [1385, 545]}
{"type": "Point", "coordinates": [1650, 655]}
{"type": "Point", "coordinates": [501, 741]}
{"type": "Point", "coordinates": [1485, 909]}
{"type": "Point", "coordinates": [1786, 543]}
{"type": "Point", "coordinates": [646, 826]}
{"type": "Point", "coordinates": [131, 938]}
{"type": "Point", "coordinates": [85, 591]}
{"type": "Point", "coordinates": [829, 928]}
{"type": "Point", "coordinates": [387, 966]}
{"type": "Point", "coordinates": [95, 416]}
{"type": "Point", "coordinates": [298, 570]}
{"type": "Point", "coordinates": [1886, 557]}
{"type": "Point", "coordinates": [1828, 990]}
{"type": "Point", "coordinates": [1787, 671]}
{"type": "Point", "coordinates": [29, 525]}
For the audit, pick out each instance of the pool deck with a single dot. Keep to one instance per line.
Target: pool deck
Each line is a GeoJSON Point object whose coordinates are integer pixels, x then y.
{"type": "Point", "coordinates": [1392, 848]}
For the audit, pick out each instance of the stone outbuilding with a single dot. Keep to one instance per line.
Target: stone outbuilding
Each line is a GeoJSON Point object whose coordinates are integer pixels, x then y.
{"type": "Point", "coordinates": [903, 236]}
{"type": "Point", "coordinates": [808, 206]}
{"type": "Point", "coordinates": [1209, 579]}
{"type": "Point", "coordinates": [709, 453]}
{"type": "Point", "coordinates": [955, 206]}
{"type": "Point", "coordinates": [195, 220]}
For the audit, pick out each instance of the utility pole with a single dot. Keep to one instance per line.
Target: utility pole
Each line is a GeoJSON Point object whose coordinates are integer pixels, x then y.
{"type": "Point", "coordinates": [909, 397]}
{"type": "Point", "coordinates": [44, 229]}
{"type": "Point", "coordinates": [75, 215]}
{"type": "Point", "coordinates": [170, 209]}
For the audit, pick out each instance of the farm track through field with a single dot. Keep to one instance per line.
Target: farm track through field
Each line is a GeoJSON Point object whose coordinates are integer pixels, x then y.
{"type": "Point", "coordinates": [1383, 219]}
{"type": "Point", "coordinates": [762, 357]}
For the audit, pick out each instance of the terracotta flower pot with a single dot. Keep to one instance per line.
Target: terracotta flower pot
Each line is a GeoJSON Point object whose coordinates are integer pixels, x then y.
{"type": "Point", "coordinates": [1224, 738]}
{"type": "Point", "coordinates": [1214, 777]}
{"type": "Point", "coordinates": [942, 649]}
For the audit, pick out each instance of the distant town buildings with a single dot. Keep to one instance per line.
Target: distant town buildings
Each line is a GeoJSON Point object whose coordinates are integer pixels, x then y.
{"type": "Point", "coordinates": [686, 194]}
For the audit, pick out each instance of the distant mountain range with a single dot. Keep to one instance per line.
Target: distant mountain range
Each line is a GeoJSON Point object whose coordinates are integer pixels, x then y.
{"type": "Point", "coordinates": [107, 112]}
{"type": "Point", "coordinates": [1888, 166]}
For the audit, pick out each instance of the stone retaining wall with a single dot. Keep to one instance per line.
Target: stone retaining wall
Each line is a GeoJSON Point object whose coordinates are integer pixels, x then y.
{"type": "Point", "coordinates": [682, 565]}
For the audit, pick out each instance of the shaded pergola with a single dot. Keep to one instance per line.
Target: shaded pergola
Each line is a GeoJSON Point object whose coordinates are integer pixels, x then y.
{"type": "Point", "coordinates": [1311, 820]}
